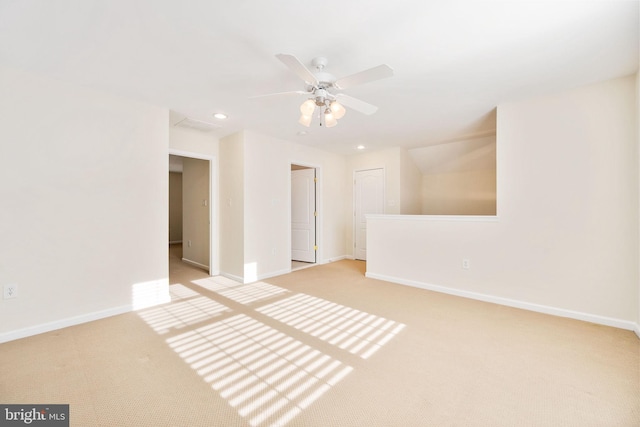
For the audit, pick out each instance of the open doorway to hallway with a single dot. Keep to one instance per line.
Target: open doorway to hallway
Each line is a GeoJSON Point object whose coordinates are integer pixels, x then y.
{"type": "Point", "coordinates": [189, 211]}
{"type": "Point", "coordinates": [181, 272]}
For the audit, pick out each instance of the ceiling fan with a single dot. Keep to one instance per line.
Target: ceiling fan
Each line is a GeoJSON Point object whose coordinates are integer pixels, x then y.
{"type": "Point", "coordinates": [322, 90]}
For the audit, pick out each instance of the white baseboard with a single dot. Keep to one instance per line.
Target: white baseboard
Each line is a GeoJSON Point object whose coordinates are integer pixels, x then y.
{"type": "Point", "coordinates": [197, 264]}
{"type": "Point", "coordinates": [63, 323]}
{"type": "Point", "coordinates": [261, 277]}
{"type": "Point", "coordinates": [592, 318]}
{"type": "Point", "coordinates": [274, 274]}
{"type": "Point", "coordinates": [232, 277]}
{"type": "Point", "coordinates": [335, 259]}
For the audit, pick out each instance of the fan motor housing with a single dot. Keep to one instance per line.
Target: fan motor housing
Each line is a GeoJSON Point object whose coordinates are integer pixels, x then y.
{"type": "Point", "coordinates": [325, 80]}
{"type": "Point", "coordinates": [319, 62]}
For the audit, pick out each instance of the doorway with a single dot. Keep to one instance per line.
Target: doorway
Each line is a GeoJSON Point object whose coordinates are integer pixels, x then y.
{"type": "Point", "coordinates": [198, 237]}
{"type": "Point", "coordinates": [304, 215]}
{"type": "Point", "coordinates": [368, 199]}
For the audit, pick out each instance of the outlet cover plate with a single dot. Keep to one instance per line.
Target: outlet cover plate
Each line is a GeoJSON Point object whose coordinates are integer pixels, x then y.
{"type": "Point", "coordinates": [10, 291]}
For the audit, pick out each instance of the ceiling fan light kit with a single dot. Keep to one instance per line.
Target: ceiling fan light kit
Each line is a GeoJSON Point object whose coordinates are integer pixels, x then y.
{"type": "Point", "coordinates": [329, 119]}
{"type": "Point", "coordinates": [321, 88]}
{"type": "Point", "coordinates": [308, 107]}
{"type": "Point", "coordinates": [328, 111]}
{"type": "Point", "coordinates": [305, 120]}
{"type": "Point", "coordinates": [338, 110]}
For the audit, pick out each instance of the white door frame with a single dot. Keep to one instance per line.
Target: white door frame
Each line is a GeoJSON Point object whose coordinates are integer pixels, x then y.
{"type": "Point", "coordinates": [384, 201]}
{"type": "Point", "coordinates": [319, 207]}
{"type": "Point", "coordinates": [308, 253]}
{"type": "Point", "coordinates": [214, 267]}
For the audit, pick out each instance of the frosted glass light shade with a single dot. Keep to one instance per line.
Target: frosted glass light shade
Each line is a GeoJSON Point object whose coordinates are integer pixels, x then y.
{"type": "Point", "coordinates": [338, 110]}
{"type": "Point", "coordinates": [305, 120]}
{"type": "Point", "coordinates": [308, 107]}
{"type": "Point", "coordinates": [329, 120]}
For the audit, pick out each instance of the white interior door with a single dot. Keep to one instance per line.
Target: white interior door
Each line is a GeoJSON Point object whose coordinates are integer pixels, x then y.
{"type": "Point", "coordinates": [303, 215]}
{"type": "Point", "coordinates": [368, 199]}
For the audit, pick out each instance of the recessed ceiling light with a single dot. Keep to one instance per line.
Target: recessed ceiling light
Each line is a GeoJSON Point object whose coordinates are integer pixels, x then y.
{"type": "Point", "coordinates": [220, 116]}
{"type": "Point", "coordinates": [360, 147]}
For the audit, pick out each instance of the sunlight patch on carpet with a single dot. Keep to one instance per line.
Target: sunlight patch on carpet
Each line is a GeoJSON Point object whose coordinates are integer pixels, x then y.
{"type": "Point", "coordinates": [268, 376]}
{"type": "Point", "coordinates": [355, 331]}
{"type": "Point", "coordinates": [241, 293]}
{"type": "Point", "coordinates": [181, 314]}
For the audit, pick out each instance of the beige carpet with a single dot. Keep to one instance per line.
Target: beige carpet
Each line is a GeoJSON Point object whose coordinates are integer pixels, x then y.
{"type": "Point", "coordinates": [325, 346]}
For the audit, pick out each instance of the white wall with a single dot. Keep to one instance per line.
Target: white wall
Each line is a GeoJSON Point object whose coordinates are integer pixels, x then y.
{"type": "Point", "coordinates": [267, 207]}
{"type": "Point", "coordinates": [469, 192]}
{"type": "Point", "coordinates": [83, 186]}
{"type": "Point", "coordinates": [231, 202]}
{"type": "Point", "coordinates": [256, 176]}
{"type": "Point", "coordinates": [410, 185]}
{"type": "Point", "coordinates": [566, 237]}
{"type": "Point", "coordinates": [268, 202]}
{"type": "Point", "coordinates": [402, 187]}
{"type": "Point", "coordinates": [389, 160]}
{"type": "Point", "coordinates": [459, 177]}
{"type": "Point", "coordinates": [191, 140]}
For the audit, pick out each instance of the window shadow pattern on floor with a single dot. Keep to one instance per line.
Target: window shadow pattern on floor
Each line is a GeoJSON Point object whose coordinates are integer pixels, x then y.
{"type": "Point", "coordinates": [237, 338]}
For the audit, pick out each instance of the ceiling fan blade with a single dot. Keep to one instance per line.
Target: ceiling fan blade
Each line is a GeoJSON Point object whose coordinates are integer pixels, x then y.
{"type": "Point", "coordinates": [376, 73]}
{"type": "Point", "coordinates": [356, 104]}
{"type": "Point", "coordinates": [293, 92]}
{"type": "Point", "coordinates": [298, 67]}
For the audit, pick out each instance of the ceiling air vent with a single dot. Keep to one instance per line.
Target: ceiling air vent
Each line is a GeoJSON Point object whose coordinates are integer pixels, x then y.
{"type": "Point", "coordinates": [197, 124]}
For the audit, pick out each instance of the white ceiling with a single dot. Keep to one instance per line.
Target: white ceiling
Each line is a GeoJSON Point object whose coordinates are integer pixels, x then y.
{"type": "Point", "coordinates": [454, 61]}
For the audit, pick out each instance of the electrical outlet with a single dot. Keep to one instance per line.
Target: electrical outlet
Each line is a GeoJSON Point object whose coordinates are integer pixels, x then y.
{"type": "Point", "coordinates": [189, 243]}
{"type": "Point", "coordinates": [466, 264]}
{"type": "Point", "coordinates": [10, 291]}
